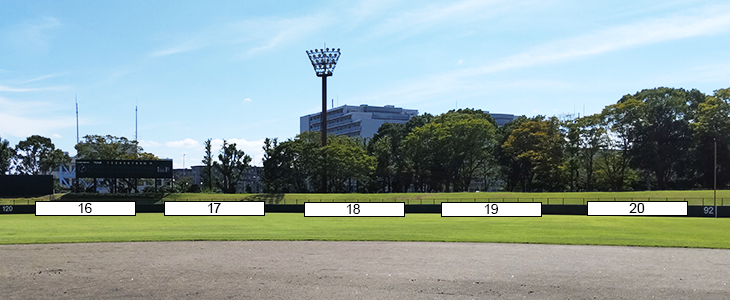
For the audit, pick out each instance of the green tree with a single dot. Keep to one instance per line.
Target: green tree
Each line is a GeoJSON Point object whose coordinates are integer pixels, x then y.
{"type": "Point", "coordinates": [209, 179]}
{"type": "Point", "coordinates": [593, 138]}
{"type": "Point", "coordinates": [109, 147]}
{"type": "Point", "coordinates": [712, 128]}
{"type": "Point", "coordinates": [537, 147]}
{"type": "Point", "coordinates": [112, 148]}
{"type": "Point", "coordinates": [391, 172]}
{"type": "Point", "coordinates": [7, 154]}
{"type": "Point", "coordinates": [661, 136]}
{"type": "Point", "coordinates": [231, 165]}
{"type": "Point", "coordinates": [37, 155]}
{"type": "Point", "coordinates": [346, 160]}
{"type": "Point", "coordinates": [446, 153]}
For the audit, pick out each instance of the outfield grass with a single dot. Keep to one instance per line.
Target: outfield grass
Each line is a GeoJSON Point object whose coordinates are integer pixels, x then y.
{"type": "Point", "coordinates": [549, 229]}
{"type": "Point", "coordinates": [703, 197]}
{"type": "Point", "coordinates": [700, 197]}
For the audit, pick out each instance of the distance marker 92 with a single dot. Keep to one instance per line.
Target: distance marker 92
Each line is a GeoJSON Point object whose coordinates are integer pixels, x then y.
{"type": "Point", "coordinates": [350, 209]}
{"type": "Point", "coordinates": [222, 208]}
{"type": "Point", "coordinates": [491, 209]}
{"type": "Point", "coordinates": [635, 208]}
{"type": "Point", "coordinates": [85, 209]}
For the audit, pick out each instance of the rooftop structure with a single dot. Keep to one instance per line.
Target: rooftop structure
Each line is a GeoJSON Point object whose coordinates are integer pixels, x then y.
{"type": "Point", "coordinates": [352, 121]}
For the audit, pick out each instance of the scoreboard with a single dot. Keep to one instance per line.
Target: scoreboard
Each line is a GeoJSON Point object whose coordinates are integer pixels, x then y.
{"type": "Point", "coordinates": [101, 168]}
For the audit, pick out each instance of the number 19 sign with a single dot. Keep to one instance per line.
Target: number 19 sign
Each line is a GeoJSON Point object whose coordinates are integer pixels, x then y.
{"type": "Point", "coordinates": [484, 209]}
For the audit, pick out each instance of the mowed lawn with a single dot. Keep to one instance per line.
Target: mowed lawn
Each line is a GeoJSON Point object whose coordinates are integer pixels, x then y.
{"type": "Point", "coordinates": [698, 197]}
{"type": "Point", "coordinates": [549, 229]}
{"type": "Point", "coordinates": [695, 197]}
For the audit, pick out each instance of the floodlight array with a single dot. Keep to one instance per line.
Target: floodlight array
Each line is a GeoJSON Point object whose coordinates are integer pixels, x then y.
{"type": "Point", "coordinates": [324, 60]}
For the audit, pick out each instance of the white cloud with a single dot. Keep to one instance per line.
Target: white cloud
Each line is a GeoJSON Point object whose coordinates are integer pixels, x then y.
{"type": "Point", "coordinates": [56, 136]}
{"type": "Point", "coordinates": [22, 118]}
{"type": "Point", "coordinates": [4, 88]}
{"type": "Point", "coordinates": [21, 127]}
{"type": "Point", "coordinates": [247, 100]}
{"type": "Point", "coordinates": [147, 144]}
{"type": "Point", "coordinates": [461, 61]}
{"type": "Point", "coordinates": [186, 143]}
{"type": "Point", "coordinates": [252, 148]}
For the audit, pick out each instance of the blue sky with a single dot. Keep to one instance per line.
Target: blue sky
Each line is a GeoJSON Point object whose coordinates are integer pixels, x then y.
{"type": "Point", "coordinates": [238, 70]}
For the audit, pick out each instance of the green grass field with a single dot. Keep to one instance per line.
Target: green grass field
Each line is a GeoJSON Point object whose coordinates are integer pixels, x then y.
{"type": "Point", "coordinates": [700, 197]}
{"type": "Point", "coordinates": [549, 229]}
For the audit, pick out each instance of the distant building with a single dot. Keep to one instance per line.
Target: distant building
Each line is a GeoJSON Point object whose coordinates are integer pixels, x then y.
{"type": "Point", "coordinates": [352, 121]}
{"type": "Point", "coordinates": [502, 119]}
{"type": "Point", "coordinates": [249, 183]}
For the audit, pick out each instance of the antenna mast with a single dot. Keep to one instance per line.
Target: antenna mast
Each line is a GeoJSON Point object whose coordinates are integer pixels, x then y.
{"type": "Point", "coordinates": [135, 122]}
{"type": "Point", "coordinates": [77, 118]}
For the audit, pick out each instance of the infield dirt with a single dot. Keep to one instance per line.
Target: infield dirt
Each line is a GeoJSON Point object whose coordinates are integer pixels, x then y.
{"type": "Point", "coordinates": [359, 270]}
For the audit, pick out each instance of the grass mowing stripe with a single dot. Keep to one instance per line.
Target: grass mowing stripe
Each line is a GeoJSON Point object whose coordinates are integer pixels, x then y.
{"type": "Point", "coordinates": [550, 229]}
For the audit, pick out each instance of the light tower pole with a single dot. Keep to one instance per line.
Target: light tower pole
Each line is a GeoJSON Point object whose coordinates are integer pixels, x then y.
{"type": "Point", "coordinates": [324, 62]}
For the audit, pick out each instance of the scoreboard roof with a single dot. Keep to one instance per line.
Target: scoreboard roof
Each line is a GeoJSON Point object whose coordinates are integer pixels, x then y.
{"type": "Point", "coordinates": [100, 168]}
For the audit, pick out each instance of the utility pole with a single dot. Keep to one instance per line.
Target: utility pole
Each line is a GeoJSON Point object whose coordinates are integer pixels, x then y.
{"type": "Point", "coordinates": [324, 62]}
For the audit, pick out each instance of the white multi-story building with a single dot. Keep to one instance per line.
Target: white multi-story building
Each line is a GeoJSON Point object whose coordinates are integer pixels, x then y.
{"type": "Point", "coordinates": [362, 121]}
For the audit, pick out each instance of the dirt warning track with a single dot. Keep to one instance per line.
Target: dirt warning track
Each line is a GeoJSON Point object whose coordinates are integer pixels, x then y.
{"type": "Point", "coordinates": [359, 270]}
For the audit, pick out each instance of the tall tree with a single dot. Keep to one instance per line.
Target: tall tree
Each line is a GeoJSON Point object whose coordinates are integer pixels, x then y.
{"type": "Point", "coordinates": [231, 165]}
{"type": "Point", "coordinates": [37, 155]}
{"type": "Point", "coordinates": [537, 146]}
{"type": "Point", "coordinates": [346, 160]}
{"type": "Point", "coordinates": [446, 153]}
{"type": "Point", "coordinates": [7, 154]}
{"type": "Point", "coordinates": [111, 147]}
{"type": "Point", "coordinates": [712, 130]}
{"type": "Point", "coordinates": [208, 176]}
{"type": "Point", "coordinates": [660, 135]}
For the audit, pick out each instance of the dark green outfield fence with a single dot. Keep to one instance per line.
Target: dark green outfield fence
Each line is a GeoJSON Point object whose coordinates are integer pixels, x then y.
{"type": "Point", "coordinates": [557, 209]}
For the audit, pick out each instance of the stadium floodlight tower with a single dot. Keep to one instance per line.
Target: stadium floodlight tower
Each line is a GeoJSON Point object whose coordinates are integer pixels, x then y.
{"type": "Point", "coordinates": [324, 61]}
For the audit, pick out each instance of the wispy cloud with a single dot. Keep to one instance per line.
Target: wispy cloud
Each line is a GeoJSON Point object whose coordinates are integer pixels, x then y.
{"type": "Point", "coordinates": [4, 88]}
{"type": "Point", "coordinates": [40, 78]}
{"type": "Point", "coordinates": [247, 100]}
{"type": "Point", "coordinates": [33, 34]}
{"type": "Point", "coordinates": [255, 35]}
{"type": "Point", "coordinates": [708, 21]}
{"type": "Point", "coordinates": [434, 15]}
{"type": "Point", "coordinates": [467, 81]}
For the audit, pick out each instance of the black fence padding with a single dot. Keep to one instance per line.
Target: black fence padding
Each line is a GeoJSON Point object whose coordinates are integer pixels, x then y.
{"type": "Point", "coordinates": [16, 186]}
{"type": "Point", "coordinates": [565, 210]}
{"type": "Point", "coordinates": [422, 209]}
{"type": "Point", "coordinates": [284, 208]}
{"type": "Point", "coordinates": [692, 211]}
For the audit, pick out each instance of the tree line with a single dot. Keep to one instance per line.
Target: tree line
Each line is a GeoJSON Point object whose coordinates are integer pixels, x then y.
{"type": "Point", "coordinates": [661, 138]}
